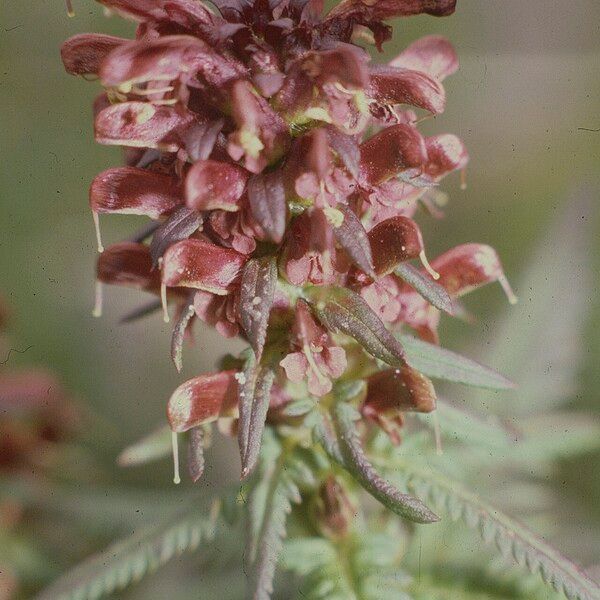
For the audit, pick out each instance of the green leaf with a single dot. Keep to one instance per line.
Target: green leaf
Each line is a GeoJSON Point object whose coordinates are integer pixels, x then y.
{"type": "Point", "coordinates": [433, 292]}
{"type": "Point", "coordinates": [154, 446]}
{"type": "Point", "coordinates": [356, 462]}
{"type": "Point", "coordinates": [510, 536]}
{"type": "Point", "coordinates": [342, 310]}
{"type": "Point", "coordinates": [440, 363]}
{"type": "Point", "coordinates": [130, 559]}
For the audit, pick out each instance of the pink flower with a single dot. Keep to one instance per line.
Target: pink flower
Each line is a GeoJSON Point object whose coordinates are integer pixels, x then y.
{"type": "Point", "coordinates": [317, 360]}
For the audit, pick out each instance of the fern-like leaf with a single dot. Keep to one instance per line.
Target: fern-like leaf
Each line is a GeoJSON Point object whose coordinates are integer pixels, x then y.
{"type": "Point", "coordinates": [510, 536]}
{"type": "Point", "coordinates": [268, 508]}
{"type": "Point", "coordinates": [129, 560]}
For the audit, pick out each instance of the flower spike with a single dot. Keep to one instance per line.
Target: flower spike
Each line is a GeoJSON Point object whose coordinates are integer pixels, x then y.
{"type": "Point", "coordinates": [282, 170]}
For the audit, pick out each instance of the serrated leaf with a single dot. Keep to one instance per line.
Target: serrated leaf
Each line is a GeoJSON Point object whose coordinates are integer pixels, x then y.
{"type": "Point", "coordinates": [278, 504]}
{"type": "Point", "coordinates": [433, 292]}
{"type": "Point", "coordinates": [360, 468]}
{"type": "Point", "coordinates": [527, 548]}
{"type": "Point", "coordinates": [153, 446]}
{"type": "Point", "coordinates": [342, 310]}
{"type": "Point", "coordinates": [266, 195]}
{"type": "Point", "coordinates": [195, 455]}
{"type": "Point", "coordinates": [440, 363]}
{"type": "Point", "coordinates": [254, 395]}
{"type": "Point", "coordinates": [178, 334]}
{"type": "Point", "coordinates": [179, 226]}
{"type": "Point", "coordinates": [259, 280]}
{"type": "Point", "coordinates": [352, 237]}
{"type": "Point", "coordinates": [130, 559]}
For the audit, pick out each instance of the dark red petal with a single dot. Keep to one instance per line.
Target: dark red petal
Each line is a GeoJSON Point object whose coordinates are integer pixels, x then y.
{"type": "Point", "coordinates": [432, 54]}
{"type": "Point", "coordinates": [393, 241]}
{"type": "Point", "coordinates": [128, 264]}
{"type": "Point", "coordinates": [82, 54]}
{"type": "Point", "coordinates": [391, 85]}
{"type": "Point", "coordinates": [203, 399]}
{"type": "Point", "coordinates": [202, 265]}
{"type": "Point", "coordinates": [165, 59]}
{"type": "Point", "coordinates": [184, 12]}
{"type": "Point", "coordinates": [128, 190]}
{"type": "Point", "coordinates": [345, 64]}
{"type": "Point", "coordinates": [140, 124]}
{"type": "Point", "coordinates": [445, 153]}
{"type": "Point", "coordinates": [379, 10]}
{"type": "Point", "coordinates": [391, 150]}
{"type": "Point", "coordinates": [211, 184]}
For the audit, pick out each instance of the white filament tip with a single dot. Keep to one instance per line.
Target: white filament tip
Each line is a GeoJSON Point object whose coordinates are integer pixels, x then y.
{"type": "Point", "coordinates": [463, 179]}
{"type": "Point", "coordinates": [97, 312]}
{"type": "Point", "coordinates": [427, 266]}
{"type": "Point", "coordinates": [175, 445]}
{"type": "Point", "coordinates": [98, 234]}
{"type": "Point", "coordinates": [512, 298]}
{"type": "Point", "coordinates": [163, 300]}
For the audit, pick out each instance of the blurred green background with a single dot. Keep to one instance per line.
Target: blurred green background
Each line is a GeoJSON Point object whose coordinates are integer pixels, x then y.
{"type": "Point", "coordinates": [525, 100]}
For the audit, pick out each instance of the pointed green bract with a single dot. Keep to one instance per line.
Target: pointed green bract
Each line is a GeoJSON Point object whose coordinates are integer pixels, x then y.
{"type": "Point", "coordinates": [360, 468]}
{"type": "Point", "coordinates": [344, 311]}
{"type": "Point", "coordinates": [430, 290]}
{"type": "Point", "coordinates": [439, 363]}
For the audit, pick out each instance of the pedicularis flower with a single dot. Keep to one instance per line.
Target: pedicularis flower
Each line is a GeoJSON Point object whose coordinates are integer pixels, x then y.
{"type": "Point", "coordinates": [282, 170]}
